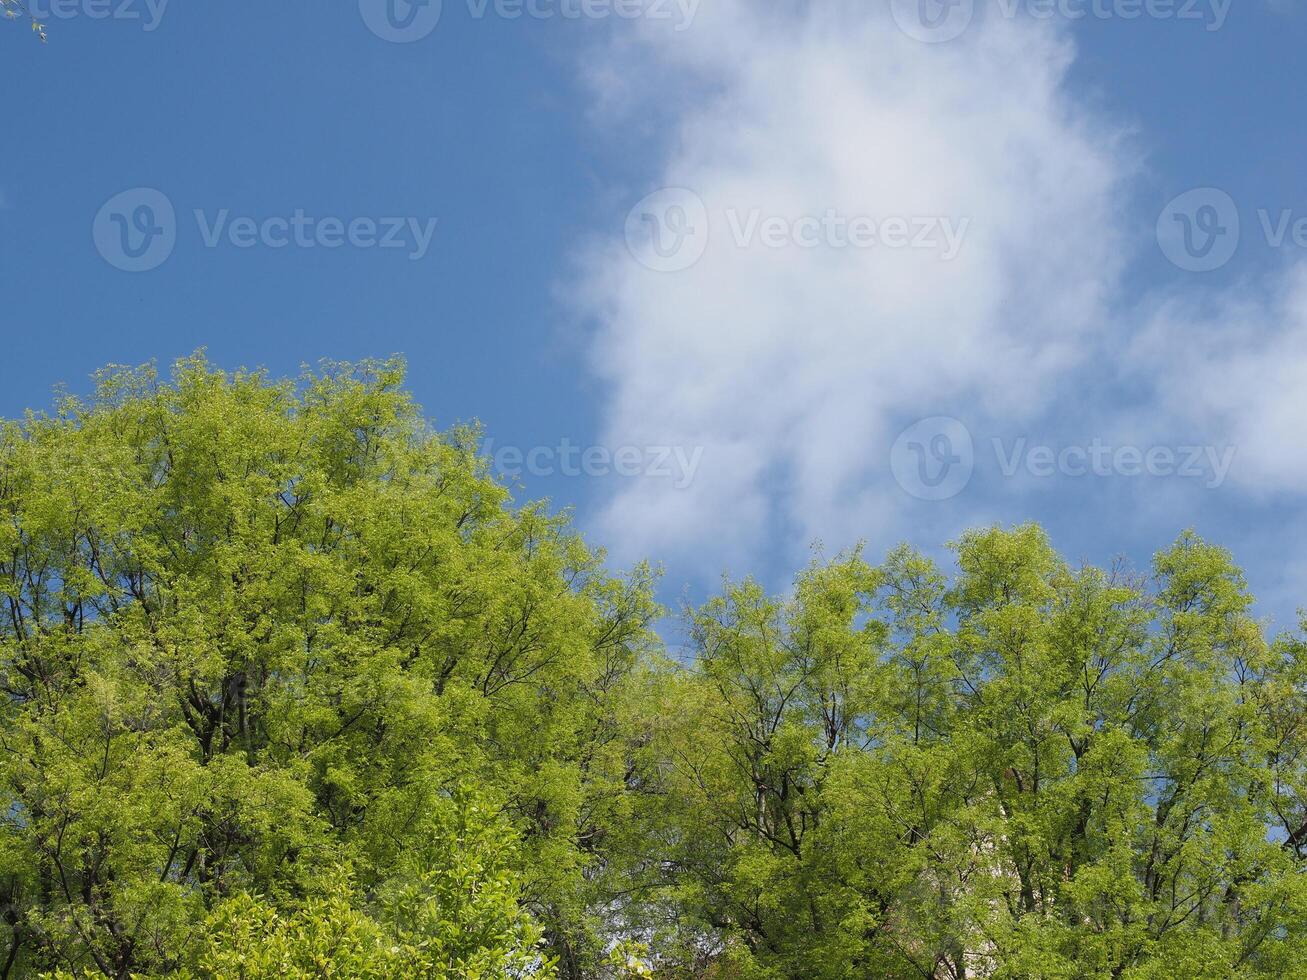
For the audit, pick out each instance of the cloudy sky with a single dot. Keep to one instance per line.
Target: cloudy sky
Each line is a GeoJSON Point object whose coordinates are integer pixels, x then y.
{"type": "Point", "coordinates": [731, 279]}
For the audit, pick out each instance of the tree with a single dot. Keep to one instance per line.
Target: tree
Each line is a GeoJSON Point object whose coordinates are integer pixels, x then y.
{"type": "Point", "coordinates": [1034, 771]}
{"type": "Point", "coordinates": [290, 686]}
{"type": "Point", "coordinates": [258, 635]}
{"type": "Point", "coordinates": [450, 910]}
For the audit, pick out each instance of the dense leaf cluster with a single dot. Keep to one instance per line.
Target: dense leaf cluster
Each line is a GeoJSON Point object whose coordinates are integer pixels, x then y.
{"type": "Point", "coordinates": [293, 688]}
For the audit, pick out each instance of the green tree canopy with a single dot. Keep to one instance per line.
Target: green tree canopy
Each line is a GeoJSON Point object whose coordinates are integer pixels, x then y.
{"type": "Point", "coordinates": [1030, 771]}
{"type": "Point", "coordinates": [270, 650]}
{"type": "Point", "coordinates": [292, 687]}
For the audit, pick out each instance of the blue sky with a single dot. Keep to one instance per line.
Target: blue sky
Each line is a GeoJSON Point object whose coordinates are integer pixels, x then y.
{"type": "Point", "coordinates": [783, 380]}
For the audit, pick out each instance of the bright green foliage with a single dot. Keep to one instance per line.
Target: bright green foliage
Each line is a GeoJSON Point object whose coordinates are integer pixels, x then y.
{"type": "Point", "coordinates": [451, 911]}
{"type": "Point", "coordinates": [255, 635]}
{"type": "Point", "coordinates": [1032, 771]}
{"type": "Point", "coordinates": [291, 688]}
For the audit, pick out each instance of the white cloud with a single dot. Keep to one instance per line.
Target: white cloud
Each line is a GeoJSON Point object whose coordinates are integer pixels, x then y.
{"type": "Point", "coordinates": [1232, 366]}
{"type": "Point", "coordinates": [796, 368]}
